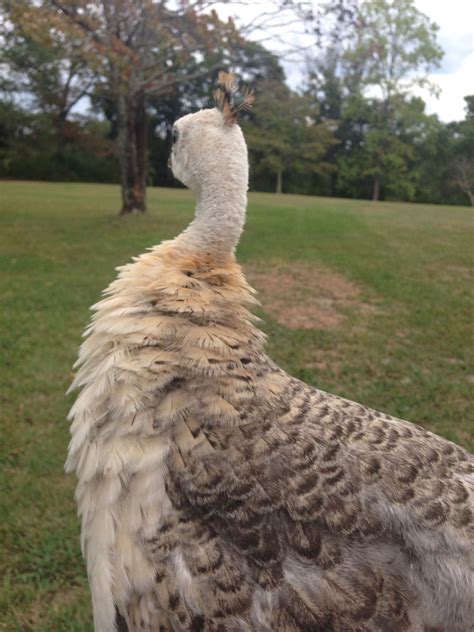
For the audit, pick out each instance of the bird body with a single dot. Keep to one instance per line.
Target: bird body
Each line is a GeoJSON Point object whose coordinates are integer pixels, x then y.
{"type": "Point", "coordinates": [218, 493]}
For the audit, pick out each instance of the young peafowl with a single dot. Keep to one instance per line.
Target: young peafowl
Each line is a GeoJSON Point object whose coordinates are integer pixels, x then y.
{"type": "Point", "coordinates": [218, 493]}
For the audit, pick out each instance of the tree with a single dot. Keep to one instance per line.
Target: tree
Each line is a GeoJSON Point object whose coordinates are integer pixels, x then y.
{"type": "Point", "coordinates": [139, 51]}
{"type": "Point", "coordinates": [46, 77]}
{"type": "Point", "coordinates": [134, 50]}
{"type": "Point", "coordinates": [137, 124]}
{"type": "Point", "coordinates": [375, 53]}
{"type": "Point", "coordinates": [464, 177]}
{"type": "Point", "coordinates": [341, 105]}
{"type": "Point", "coordinates": [432, 161]}
{"type": "Point", "coordinates": [398, 147]}
{"type": "Point", "coordinates": [140, 48]}
{"type": "Point", "coordinates": [397, 45]}
{"type": "Point", "coordinates": [463, 165]}
{"type": "Point", "coordinates": [46, 69]}
{"type": "Point", "coordinates": [283, 136]}
{"type": "Point", "coordinates": [30, 148]}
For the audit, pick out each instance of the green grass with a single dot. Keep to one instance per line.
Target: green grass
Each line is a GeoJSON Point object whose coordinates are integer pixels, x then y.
{"type": "Point", "coordinates": [59, 244]}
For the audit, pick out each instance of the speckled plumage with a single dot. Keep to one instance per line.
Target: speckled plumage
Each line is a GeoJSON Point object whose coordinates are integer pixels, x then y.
{"type": "Point", "coordinates": [218, 493]}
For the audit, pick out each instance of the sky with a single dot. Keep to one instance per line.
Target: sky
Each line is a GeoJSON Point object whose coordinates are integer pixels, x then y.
{"type": "Point", "coordinates": [455, 75]}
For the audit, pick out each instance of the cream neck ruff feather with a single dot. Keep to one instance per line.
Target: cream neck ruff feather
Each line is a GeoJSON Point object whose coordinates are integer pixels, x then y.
{"type": "Point", "coordinates": [171, 340]}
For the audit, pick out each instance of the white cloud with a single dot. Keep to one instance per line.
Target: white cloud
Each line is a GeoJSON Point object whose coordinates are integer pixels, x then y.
{"type": "Point", "coordinates": [454, 18]}
{"type": "Point", "coordinates": [455, 77]}
{"type": "Point", "coordinates": [454, 87]}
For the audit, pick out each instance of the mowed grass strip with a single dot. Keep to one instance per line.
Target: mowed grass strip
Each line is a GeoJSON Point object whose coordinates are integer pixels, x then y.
{"type": "Point", "coordinates": [400, 340]}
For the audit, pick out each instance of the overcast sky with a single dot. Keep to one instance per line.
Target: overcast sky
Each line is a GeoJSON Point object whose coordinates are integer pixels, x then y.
{"type": "Point", "coordinates": [455, 76]}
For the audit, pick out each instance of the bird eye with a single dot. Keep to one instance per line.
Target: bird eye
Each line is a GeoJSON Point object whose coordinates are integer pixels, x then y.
{"type": "Point", "coordinates": [175, 135]}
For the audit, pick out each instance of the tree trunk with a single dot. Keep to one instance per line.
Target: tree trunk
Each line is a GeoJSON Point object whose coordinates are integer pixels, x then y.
{"type": "Point", "coordinates": [133, 152]}
{"type": "Point", "coordinates": [376, 189]}
{"type": "Point", "coordinates": [279, 182]}
{"type": "Point", "coordinates": [60, 122]}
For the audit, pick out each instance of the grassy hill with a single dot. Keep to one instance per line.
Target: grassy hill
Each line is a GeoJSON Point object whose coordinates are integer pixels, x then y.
{"type": "Point", "coordinates": [372, 301]}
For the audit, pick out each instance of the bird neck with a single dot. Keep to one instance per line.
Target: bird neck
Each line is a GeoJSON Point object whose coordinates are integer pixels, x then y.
{"type": "Point", "coordinates": [219, 216]}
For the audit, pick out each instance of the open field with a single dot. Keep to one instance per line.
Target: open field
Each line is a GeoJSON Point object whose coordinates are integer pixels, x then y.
{"type": "Point", "coordinates": [373, 301]}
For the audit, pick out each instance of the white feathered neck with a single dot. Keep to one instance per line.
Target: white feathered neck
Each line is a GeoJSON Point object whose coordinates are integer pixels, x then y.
{"type": "Point", "coordinates": [219, 219]}
{"type": "Point", "coordinates": [210, 158]}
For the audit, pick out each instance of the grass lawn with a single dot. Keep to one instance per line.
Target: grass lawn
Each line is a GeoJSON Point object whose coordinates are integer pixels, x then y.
{"type": "Point", "coordinates": [393, 282]}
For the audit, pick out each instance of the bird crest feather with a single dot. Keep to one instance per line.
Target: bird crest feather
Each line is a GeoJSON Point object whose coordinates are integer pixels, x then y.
{"type": "Point", "coordinates": [224, 97]}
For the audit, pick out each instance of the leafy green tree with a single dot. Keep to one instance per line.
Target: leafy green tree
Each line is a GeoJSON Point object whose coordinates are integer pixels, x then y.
{"type": "Point", "coordinates": [47, 71]}
{"type": "Point", "coordinates": [283, 135]}
{"type": "Point", "coordinates": [134, 51]}
{"type": "Point", "coordinates": [395, 48]}
{"type": "Point", "coordinates": [463, 164]}
{"type": "Point", "coordinates": [30, 149]}
{"type": "Point", "coordinates": [374, 54]}
{"type": "Point", "coordinates": [398, 147]}
{"type": "Point", "coordinates": [141, 50]}
{"type": "Point", "coordinates": [47, 77]}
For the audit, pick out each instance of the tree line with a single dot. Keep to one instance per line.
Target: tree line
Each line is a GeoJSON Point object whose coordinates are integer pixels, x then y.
{"type": "Point", "coordinates": [89, 90]}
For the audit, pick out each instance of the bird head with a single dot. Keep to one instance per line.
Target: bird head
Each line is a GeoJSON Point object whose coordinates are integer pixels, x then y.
{"type": "Point", "coordinates": [209, 146]}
